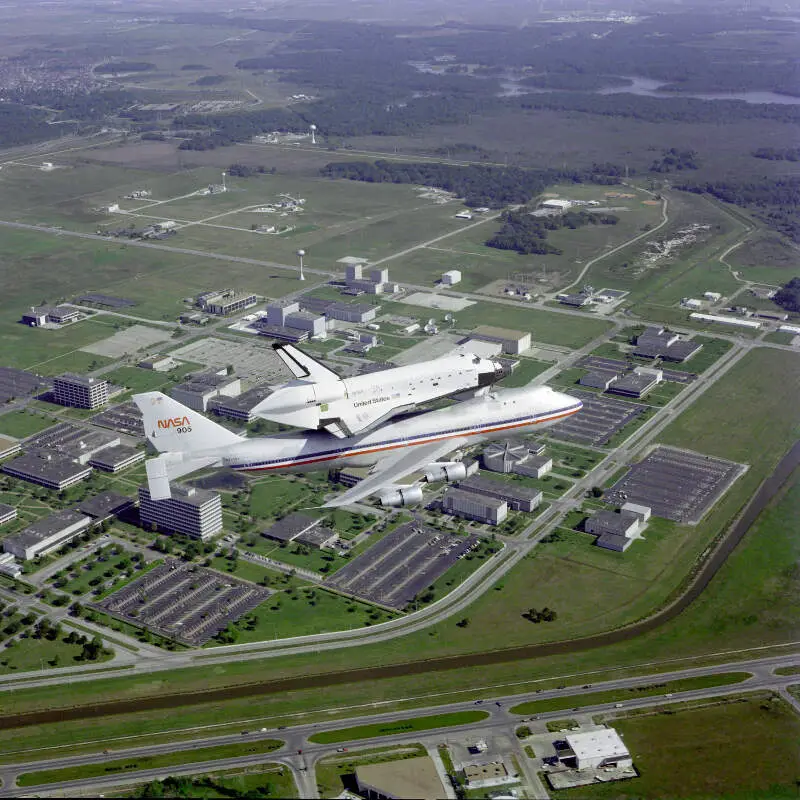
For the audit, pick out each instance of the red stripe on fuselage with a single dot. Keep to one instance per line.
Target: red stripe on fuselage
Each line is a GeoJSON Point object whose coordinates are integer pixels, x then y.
{"type": "Point", "coordinates": [334, 457]}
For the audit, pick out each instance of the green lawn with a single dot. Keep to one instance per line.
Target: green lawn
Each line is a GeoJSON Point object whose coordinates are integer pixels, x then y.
{"type": "Point", "coordinates": [707, 753]}
{"type": "Point", "coordinates": [411, 725]}
{"type": "Point", "coordinates": [620, 695]}
{"type": "Point", "coordinates": [136, 763]}
{"type": "Point", "coordinates": [525, 372]}
{"type": "Point", "coordinates": [278, 495]}
{"type": "Point", "coordinates": [22, 424]}
{"type": "Point", "coordinates": [39, 654]}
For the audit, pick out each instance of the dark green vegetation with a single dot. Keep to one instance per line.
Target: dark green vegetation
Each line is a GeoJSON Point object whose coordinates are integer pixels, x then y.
{"type": "Point", "coordinates": [494, 187]}
{"type": "Point", "coordinates": [135, 763]}
{"type": "Point", "coordinates": [265, 781]}
{"type": "Point", "coordinates": [403, 726]}
{"type": "Point", "coordinates": [621, 695]}
{"type": "Point", "coordinates": [788, 296]}
{"type": "Point", "coordinates": [527, 234]}
{"type": "Point", "coordinates": [706, 752]}
{"type": "Point", "coordinates": [22, 125]}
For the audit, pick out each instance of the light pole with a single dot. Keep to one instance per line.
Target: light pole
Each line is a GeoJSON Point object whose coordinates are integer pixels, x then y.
{"type": "Point", "coordinates": [300, 254]}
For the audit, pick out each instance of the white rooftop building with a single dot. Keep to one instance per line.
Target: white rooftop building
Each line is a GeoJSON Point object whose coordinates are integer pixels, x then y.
{"type": "Point", "coordinates": [594, 749]}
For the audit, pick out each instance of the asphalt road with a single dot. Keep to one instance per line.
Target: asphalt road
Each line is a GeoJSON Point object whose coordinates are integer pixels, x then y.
{"type": "Point", "coordinates": [500, 719]}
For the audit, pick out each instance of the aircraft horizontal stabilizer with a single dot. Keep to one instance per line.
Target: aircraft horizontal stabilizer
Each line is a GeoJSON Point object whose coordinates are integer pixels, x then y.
{"type": "Point", "coordinates": [303, 366]}
{"type": "Point", "coordinates": [169, 466]}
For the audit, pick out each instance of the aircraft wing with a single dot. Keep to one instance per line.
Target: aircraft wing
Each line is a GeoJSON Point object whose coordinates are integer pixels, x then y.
{"type": "Point", "coordinates": [303, 366]}
{"type": "Point", "coordinates": [395, 467]}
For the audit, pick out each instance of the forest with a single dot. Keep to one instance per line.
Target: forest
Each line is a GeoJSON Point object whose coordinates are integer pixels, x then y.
{"type": "Point", "coordinates": [788, 296]}
{"type": "Point", "coordinates": [528, 234]}
{"type": "Point", "coordinates": [478, 185]}
{"type": "Point", "coordinates": [775, 201]}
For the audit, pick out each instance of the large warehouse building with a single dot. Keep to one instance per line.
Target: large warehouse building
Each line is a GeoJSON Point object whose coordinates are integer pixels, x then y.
{"type": "Point", "coordinates": [46, 534]}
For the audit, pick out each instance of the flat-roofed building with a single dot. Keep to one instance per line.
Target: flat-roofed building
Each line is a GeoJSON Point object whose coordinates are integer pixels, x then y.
{"type": "Point", "coordinates": [637, 383]}
{"type": "Point", "coordinates": [475, 506]}
{"type": "Point", "coordinates": [351, 312]}
{"type": "Point", "coordinates": [482, 776]}
{"type": "Point", "coordinates": [46, 534]}
{"type": "Point", "coordinates": [519, 498]}
{"type": "Point", "coordinates": [10, 566]}
{"type": "Point", "coordinates": [8, 447]}
{"type": "Point", "coordinates": [578, 300]}
{"type": "Point", "coordinates": [451, 277]}
{"type": "Point", "coordinates": [657, 342]}
{"type": "Point", "coordinates": [7, 513]}
{"type": "Point", "coordinates": [80, 391]}
{"type": "Point", "coordinates": [52, 470]}
{"type": "Point", "coordinates": [106, 505]}
{"type": "Point", "coordinates": [290, 527]}
{"type": "Point", "coordinates": [513, 342]}
{"type": "Point", "coordinates": [241, 407]}
{"type": "Point", "coordinates": [278, 310]}
{"type": "Point", "coordinates": [396, 780]}
{"type": "Point", "coordinates": [199, 389]}
{"type": "Point", "coordinates": [281, 332]}
{"type": "Point", "coordinates": [193, 512]}
{"type": "Point", "coordinates": [73, 441]}
{"type": "Point", "coordinates": [644, 512]}
{"type": "Point", "coordinates": [596, 749]}
{"type": "Point", "coordinates": [158, 363]}
{"type": "Point", "coordinates": [228, 301]}
{"type": "Point", "coordinates": [318, 536]}
{"type": "Point", "coordinates": [307, 321]}
{"type": "Point", "coordinates": [57, 315]}
{"type": "Point", "coordinates": [115, 459]}
{"type": "Point", "coordinates": [599, 379]}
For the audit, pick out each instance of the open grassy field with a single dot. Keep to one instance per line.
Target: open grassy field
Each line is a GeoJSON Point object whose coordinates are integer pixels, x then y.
{"type": "Point", "coordinates": [412, 725]}
{"type": "Point", "coordinates": [134, 763]}
{"type": "Point", "coordinates": [677, 753]}
{"type": "Point", "coordinates": [621, 695]}
{"type": "Point", "coordinates": [21, 424]}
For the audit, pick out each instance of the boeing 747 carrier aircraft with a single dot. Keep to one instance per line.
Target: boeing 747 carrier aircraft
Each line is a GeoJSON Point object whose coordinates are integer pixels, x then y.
{"type": "Point", "coordinates": [188, 441]}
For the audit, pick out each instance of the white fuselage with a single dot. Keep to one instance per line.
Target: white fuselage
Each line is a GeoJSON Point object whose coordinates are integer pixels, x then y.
{"type": "Point", "coordinates": [363, 401]}
{"type": "Point", "coordinates": [506, 412]}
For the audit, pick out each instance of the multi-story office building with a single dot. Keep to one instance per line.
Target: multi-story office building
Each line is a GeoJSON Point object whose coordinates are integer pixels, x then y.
{"type": "Point", "coordinates": [80, 391]}
{"type": "Point", "coordinates": [192, 512]}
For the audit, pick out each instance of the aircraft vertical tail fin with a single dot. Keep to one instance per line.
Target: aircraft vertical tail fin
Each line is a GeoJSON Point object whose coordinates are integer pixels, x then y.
{"type": "Point", "coordinates": [172, 427]}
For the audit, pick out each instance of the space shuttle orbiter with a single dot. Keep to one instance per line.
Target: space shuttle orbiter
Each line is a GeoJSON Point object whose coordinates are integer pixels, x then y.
{"type": "Point", "coordinates": [319, 399]}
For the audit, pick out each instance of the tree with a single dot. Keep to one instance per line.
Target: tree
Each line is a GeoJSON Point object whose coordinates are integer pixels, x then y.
{"type": "Point", "coordinates": [463, 623]}
{"type": "Point", "coordinates": [788, 296]}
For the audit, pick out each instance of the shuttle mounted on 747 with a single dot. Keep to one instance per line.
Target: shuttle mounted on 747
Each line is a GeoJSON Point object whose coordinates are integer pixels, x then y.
{"type": "Point", "coordinates": [416, 442]}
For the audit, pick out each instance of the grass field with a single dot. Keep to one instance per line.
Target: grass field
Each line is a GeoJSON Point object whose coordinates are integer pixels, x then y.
{"type": "Point", "coordinates": [620, 695]}
{"type": "Point", "coordinates": [677, 753]}
{"type": "Point", "coordinates": [412, 725]}
{"type": "Point", "coordinates": [527, 370]}
{"type": "Point", "coordinates": [279, 495]}
{"type": "Point", "coordinates": [135, 763]}
{"type": "Point", "coordinates": [21, 424]}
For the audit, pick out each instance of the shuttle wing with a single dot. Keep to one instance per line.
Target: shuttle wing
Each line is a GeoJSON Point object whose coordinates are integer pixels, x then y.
{"type": "Point", "coordinates": [395, 467]}
{"type": "Point", "coordinates": [303, 366]}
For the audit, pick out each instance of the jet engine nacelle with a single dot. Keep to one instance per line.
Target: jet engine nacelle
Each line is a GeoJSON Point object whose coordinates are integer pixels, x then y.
{"type": "Point", "coordinates": [453, 471]}
{"type": "Point", "coordinates": [402, 497]}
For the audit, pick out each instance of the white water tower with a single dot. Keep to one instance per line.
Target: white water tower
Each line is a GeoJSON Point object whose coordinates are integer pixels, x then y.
{"type": "Point", "coordinates": [300, 254]}
{"type": "Point", "coordinates": [313, 129]}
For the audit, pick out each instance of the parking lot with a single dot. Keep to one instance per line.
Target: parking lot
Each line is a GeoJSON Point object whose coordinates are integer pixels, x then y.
{"type": "Point", "coordinates": [184, 602]}
{"type": "Point", "coordinates": [677, 484]}
{"type": "Point", "coordinates": [615, 365]}
{"type": "Point", "coordinates": [16, 383]}
{"type": "Point", "coordinates": [128, 340]}
{"type": "Point", "coordinates": [600, 418]}
{"type": "Point", "coordinates": [255, 361]}
{"type": "Point", "coordinates": [403, 564]}
{"type": "Point", "coordinates": [124, 418]}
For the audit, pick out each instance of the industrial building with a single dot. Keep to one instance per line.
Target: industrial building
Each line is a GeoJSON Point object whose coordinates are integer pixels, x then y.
{"type": "Point", "coordinates": [9, 565]}
{"type": "Point", "coordinates": [617, 529]}
{"type": "Point", "coordinates": [227, 301]}
{"type": "Point", "coordinates": [518, 497]}
{"type": "Point", "coordinates": [200, 388]}
{"type": "Point", "coordinates": [596, 749]}
{"type": "Point", "coordinates": [8, 447]}
{"type": "Point", "coordinates": [599, 379]}
{"type": "Point", "coordinates": [56, 315]}
{"type": "Point", "coordinates": [517, 457]}
{"type": "Point", "coordinates": [46, 534]}
{"type": "Point", "coordinates": [50, 470]}
{"type": "Point", "coordinates": [285, 321]}
{"type": "Point", "coordinates": [657, 342]}
{"type": "Point", "coordinates": [7, 513]}
{"type": "Point", "coordinates": [303, 529]}
{"type": "Point", "coordinates": [637, 383]}
{"type": "Point", "coordinates": [193, 512]}
{"type": "Point", "coordinates": [351, 312]}
{"type": "Point", "coordinates": [73, 441]}
{"type": "Point", "coordinates": [451, 277]}
{"type": "Point", "coordinates": [513, 342]}
{"type": "Point", "coordinates": [377, 283]}
{"type": "Point", "coordinates": [556, 204]}
{"type": "Point", "coordinates": [80, 391]}
{"type": "Point", "coordinates": [735, 321]}
{"type": "Point", "coordinates": [241, 407]}
{"type": "Point", "coordinates": [158, 363]}
{"type": "Point", "coordinates": [410, 777]}
{"type": "Point", "coordinates": [106, 505]}
{"type": "Point", "coordinates": [115, 459]}
{"type": "Point", "coordinates": [578, 300]}
{"type": "Point", "coordinates": [471, 505]}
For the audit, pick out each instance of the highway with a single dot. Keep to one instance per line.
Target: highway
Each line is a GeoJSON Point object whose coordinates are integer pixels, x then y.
{"type": "Point", "coordinates": [499, 721]}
